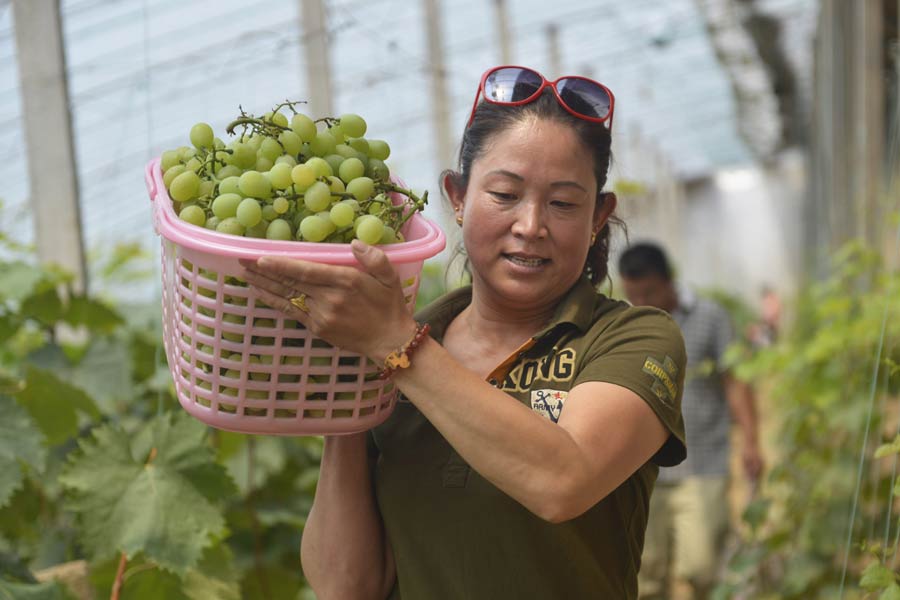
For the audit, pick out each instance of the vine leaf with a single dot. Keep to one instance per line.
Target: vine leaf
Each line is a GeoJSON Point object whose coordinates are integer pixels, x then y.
{"type": "Point", "coordinates": [215, 578]}
{"type": "Point", "coordinates": [269, 456]}
{"type": "Point", "coordinates": [49, 590]}
{"type": "Point", "coordinates": [889, 449]}
{"type": "Point", "coordinates": [53, 403]}
{"type": "Point", "coordinates": [18, 280]}
{"type": "Point", "coordinates": [93, 314]}
{"type": "Point", "coordinates": [877, 577]}
{"type": "Point", "coordinates": [44, 306]}
{"type": "Point", "coordinates": [892, 592]}
{"type": "Point", "coordinates": [756, 512]}
{"type": "Point", "coordinates": [154, 493]}
{"type": "Point", "coordinates": [20, 442]}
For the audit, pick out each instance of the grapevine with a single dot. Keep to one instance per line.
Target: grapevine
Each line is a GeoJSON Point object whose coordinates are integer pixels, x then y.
{"type": "Point", "coordinates": [286, 176]}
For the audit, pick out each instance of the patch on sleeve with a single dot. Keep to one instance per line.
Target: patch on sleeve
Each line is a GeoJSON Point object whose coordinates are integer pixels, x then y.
{"type": "Point", "coordinates": [548, 403]}
{"type": "Point", "coordinates": [664, 375]}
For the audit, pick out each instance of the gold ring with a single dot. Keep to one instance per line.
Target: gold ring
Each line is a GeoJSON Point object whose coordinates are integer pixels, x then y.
{"type": "Point", "coordinates": [300, 302]}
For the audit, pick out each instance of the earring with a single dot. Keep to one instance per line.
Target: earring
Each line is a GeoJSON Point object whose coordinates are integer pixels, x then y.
{"type": "Point", "coordinates": [593, 238]}
{"type": "Point", "coordinates": [459, 220]}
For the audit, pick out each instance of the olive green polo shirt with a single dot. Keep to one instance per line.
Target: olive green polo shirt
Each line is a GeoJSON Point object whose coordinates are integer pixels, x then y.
{"type": "Point", "coordinates": [456, 536]}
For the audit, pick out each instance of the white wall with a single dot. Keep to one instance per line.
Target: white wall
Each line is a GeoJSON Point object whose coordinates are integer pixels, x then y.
{"type": "Point", "coordinates": [737, 231]}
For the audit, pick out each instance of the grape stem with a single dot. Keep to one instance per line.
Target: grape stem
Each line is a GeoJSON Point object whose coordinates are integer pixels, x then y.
{"type": "Point", "coordinates": [260, 125]}
{"type": "Point", "coordinates": [211, 158]}
{"type": "Point", "coordinates": [289, 104]}
{"type": "Point", "coordinates": [329, 121]}
{"type": "Point", "coordinates": [418, 207]}
{"type": "Point", "coordinates": [117, 583]}
{"type": "Point", "coordinates": [257, 125]}
{"type": "Point", "coordinates": [386, 186]}
{"type": "Point", "coordinates": [398, 214]}
{"type": "Point", "coordinates": [417, 204]}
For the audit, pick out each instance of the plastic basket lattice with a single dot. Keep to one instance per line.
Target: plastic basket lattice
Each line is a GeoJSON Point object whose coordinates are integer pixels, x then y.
{"type": "Point", "coordinates": [243, 366]}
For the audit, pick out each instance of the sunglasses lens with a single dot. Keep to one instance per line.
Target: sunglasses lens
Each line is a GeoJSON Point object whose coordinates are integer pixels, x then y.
{"type": "Point", "coordinates": [512, 84]}
{"type": "Point", "coordinates": [584, 97]}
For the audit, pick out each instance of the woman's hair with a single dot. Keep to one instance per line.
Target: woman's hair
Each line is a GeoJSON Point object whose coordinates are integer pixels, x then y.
{"type": "Point", "coordinates": [493, 119]}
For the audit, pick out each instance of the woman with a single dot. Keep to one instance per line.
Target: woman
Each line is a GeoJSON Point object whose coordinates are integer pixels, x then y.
{"type": "Point", "coordinates": [520, 459]}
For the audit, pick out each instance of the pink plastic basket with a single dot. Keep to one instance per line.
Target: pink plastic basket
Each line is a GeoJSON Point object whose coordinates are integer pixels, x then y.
{"type": "Point", "coordinates": [243, 366]}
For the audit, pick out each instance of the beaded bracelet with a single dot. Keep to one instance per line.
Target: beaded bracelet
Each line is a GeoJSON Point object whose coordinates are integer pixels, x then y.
{"type": "Point", "coordinates": [399, 358]}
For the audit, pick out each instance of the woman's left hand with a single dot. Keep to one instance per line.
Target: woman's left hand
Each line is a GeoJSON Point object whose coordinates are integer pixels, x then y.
{"type": "Point", "coordinates": [356, 310]}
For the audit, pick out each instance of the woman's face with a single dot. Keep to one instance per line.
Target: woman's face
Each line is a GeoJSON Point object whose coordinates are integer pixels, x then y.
{"type": "Point", "coordinates": [529, 212]}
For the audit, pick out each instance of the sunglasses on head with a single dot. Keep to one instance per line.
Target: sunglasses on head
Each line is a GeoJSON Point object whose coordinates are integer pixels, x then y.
{"type": "Point", "coordinates": [514, 86]}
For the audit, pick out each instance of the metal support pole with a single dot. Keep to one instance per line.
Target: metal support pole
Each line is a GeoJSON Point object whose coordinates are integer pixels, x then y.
{"type": "Point", "coordinates": [553, 54]}
{"type": "Point", "coordinates": [439, 93]}
{"type": "Point", "coordinates": [868, 127]}
{"type": "Point", "coordinates": [503, 37]}
{"type": "Point", "coordinates": [318, 70]}
{"type": "Point", "coordinates": [48, 136]}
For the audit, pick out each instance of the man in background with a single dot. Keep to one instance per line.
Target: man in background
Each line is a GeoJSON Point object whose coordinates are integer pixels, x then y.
{"type": "Point", "coordinates": [689, 510]}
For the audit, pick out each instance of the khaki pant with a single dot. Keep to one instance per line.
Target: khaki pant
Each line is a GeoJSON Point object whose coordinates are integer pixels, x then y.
{"type": "Point", "coordinates": [685, 537]}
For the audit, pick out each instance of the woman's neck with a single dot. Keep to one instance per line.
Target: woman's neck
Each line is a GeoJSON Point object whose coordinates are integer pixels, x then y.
{"type": "Point", "coordinates": [493, 319]}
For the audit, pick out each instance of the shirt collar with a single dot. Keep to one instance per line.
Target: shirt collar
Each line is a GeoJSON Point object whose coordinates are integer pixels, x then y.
{"type": "Point", "coordinates": [576, 307]}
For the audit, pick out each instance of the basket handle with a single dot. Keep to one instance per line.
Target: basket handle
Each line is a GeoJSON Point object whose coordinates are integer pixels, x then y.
{"type": "Point", "coordinates": [149, 179]}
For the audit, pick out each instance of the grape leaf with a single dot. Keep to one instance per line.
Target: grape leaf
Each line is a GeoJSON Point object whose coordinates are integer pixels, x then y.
{"type": "Point", "coordinates": [93, 314]}
{"type": "Point", "coordinates": [103, 369]}
{"type": "Point", "coordinates": [756, 512]}
{"type": "Point", "coordinates": [306, 594]}
{"type": "Point", "coordinates": [272, 581]}
{"type": "Point", "coordinates": [801, 571]}
{"type": "Point", "coordinates": [53, 403]}
{"type": "Point", "coordinates": [151, 584]}
{"type": "Point", "coordinates": [120, 260]}
{"type": "Point", "coordinates": [36, 591]}
{"type": "Point", "coordinates": [876, 577]}
{"type": "Point", "coordinates": [892, 592]}
{"type": "Point", "coordinates": [269, 457]}
{"type": "Point", "coordinates": [9, 383]}
{"type": "Point", "coordinates": [13, 568]}
{"type": "Point", "coordinates": [215, 578]}
{"type": "Point", "coordinates": [889, 449]}
{"type": "Point", "coordinates": [17, 280]}
{"type": "Point", "coordinates": [152, 494]}
{"type": "Point", "coordinates": [144, 350]}
{"type": "Point", "coordinates": [45, 306]}
{"type": "Point", "coordinates": [9, 325]}
{"type": "Point", "coordinates": [20, 442]}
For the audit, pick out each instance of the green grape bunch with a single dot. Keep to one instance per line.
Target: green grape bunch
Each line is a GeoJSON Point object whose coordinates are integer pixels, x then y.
{"type": "Point", "coordinates": [286, 176]}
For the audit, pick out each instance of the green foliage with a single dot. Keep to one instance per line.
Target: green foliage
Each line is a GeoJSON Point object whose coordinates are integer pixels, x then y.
{"type": "Point", "coordinates": [888, 449]}
{"type": "Point", "coordinates": [123, 264]}
{"type": "Point", "coordinates": [153, 493]}
{"type": "Point", "coordinates": [40, 396]}
{"type": "Point", "coordinates": [433, 283]}
{"type": "Point", "coordinates": [20, 444]}
{"type": "Point", "coordinates": [215, 577]}
{"type": "Point", "coordinates": [742, 314]}
{"type": "Point", "coordinates": [877, 577]}
{"type": "Point", "coordinates": [819, 379]}
{"type": "Point", "coordinates": [19, 280]}
{"type": "Point", "coordinates": [32, 591]}
{"type": "Point", "coordinates": [98, 461]}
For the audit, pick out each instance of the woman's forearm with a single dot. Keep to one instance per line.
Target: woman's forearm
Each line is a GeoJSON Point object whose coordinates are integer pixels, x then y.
{"type": "Point", "coordinates": [344, 551]}
{"type": "Point", "coordinates": [527, 456]}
